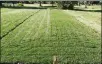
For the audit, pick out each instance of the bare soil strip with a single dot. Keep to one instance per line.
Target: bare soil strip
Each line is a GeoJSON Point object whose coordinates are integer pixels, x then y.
{"type": "Point", "coordinates": [80, 18]}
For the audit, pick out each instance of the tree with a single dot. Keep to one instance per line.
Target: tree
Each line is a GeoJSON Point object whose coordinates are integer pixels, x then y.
{"type": "Point", "coordinates": [44, 2]}
{"type": "Point", "coordinates": [13, 2]}
{"type": "Point", "coordinates": [65, 5]}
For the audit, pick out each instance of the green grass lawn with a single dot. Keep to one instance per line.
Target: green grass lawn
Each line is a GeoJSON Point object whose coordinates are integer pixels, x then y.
{"type": "Point", "coordinates": [12, 18]}
{"type": "Point", "coordinates": [91, 13]}
{"type": "Point", "coordinates": [48, 33]}
{"type": "Point", "coordinates": [91, 16]}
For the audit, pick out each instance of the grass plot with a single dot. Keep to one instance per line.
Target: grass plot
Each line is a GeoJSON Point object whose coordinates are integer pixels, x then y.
{"type": "Point", "coordinates": [48, 33]}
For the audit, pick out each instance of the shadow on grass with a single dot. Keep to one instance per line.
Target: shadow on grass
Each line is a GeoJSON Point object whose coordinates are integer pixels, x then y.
{"type": "Point", "coordinates": [49, 6]}
{"type": "Point", "coordinates": [87, 10]}
{"type": "Point", "coordinates": [25, 7]}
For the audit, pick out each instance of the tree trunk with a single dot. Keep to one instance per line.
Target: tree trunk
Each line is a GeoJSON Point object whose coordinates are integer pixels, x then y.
{"type": "Point", "coordinates": [40, 3]}
{"type": "Point", "coordinates": [85, 3]}
{"type": "Point", "coordinates": [52, 3]}
{"type": "Point", "coordinates": [13, 4]}
{"type": "Point", "coordinates": [78, 3]}
{"type": "Point", "coordinates": [0, 4]}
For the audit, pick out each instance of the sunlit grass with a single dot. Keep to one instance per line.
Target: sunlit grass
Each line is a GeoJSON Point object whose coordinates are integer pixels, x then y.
{"type": "Point", "coordinates": [38, 41]}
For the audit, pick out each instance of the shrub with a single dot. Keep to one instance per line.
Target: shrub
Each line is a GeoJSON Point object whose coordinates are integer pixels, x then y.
{"type": "Point", "coordinates": [59, 5]}
{"type": "Point", "coordinates": [71, 6]}
{"type": "Point", "coordinates": [65, 5]}
{"type": "Point", "coordinates": [20, 4]}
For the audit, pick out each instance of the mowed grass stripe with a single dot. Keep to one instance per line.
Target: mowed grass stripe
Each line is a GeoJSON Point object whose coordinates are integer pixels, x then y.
{"type": "Point", "coordinates": [40, 32]}
{"type": "Point", "coordinates": [34, 28]}
{"type": "Point", "coordinates": [28, 26]}
{"type": "Point", "coordinates": [16, 17]}
{"type": "Point", "coordinates": [48, 24]}
{"type": "Point", "coordinates": [16, 43]}
{"type": "Point", "coordinates": [25, 27]}
{"type": "Point", "coordinates": [6, 18]}
{"type": "Point", "coordinates": [42, 35]}
{"type": "Point", "coordinates": [38, 25]}
{"type": "Point", "coordinates": [20, 31]}
{"type": "Point", "coordinates": [10, 23]}
{"type": "Point", "coordinates": [68, 32]}
{"type": "Point", "coordinates": [6, 10]}
{"type": "Point", "coordinates": [16, 26]}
